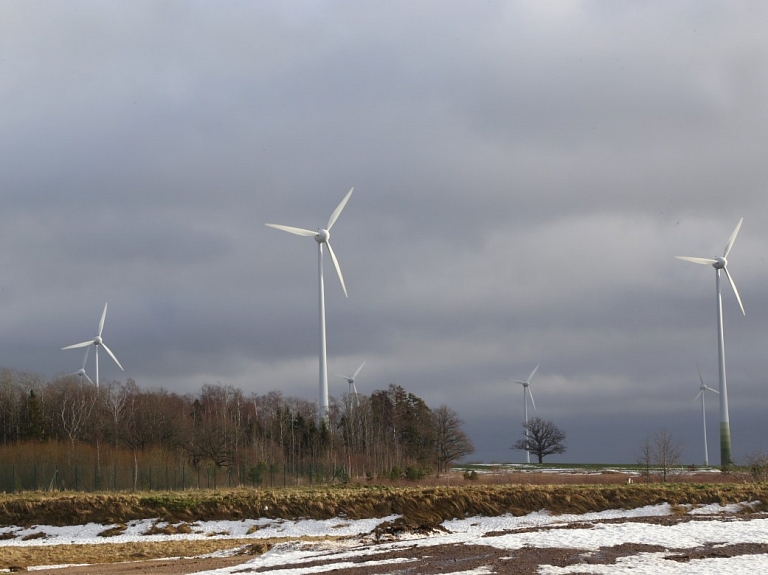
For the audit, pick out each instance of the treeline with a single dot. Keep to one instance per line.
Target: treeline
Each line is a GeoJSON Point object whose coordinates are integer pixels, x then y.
{"type": "Point", "coordinates": [67, 433]}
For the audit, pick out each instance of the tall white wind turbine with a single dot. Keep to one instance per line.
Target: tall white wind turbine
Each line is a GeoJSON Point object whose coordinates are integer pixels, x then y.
{"type": "Point", "coordinates": [702, 389]}
{"type": "Point", "coordinates": [526, 394]}
{"type": "Point", "coordinates": [721, 264]}
{"type": "Point", "coordinates": [96, 342]}
{"type": "Point", "coordinates": [322, 237]}
{"type": "Point", "coordinates": [351, 379]}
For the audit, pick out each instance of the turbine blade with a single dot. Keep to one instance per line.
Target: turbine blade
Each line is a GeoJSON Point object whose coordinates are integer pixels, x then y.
{"type": "Point", "coordinates": [530, 377]}
{"type": "Point", "coordinates": [85, 359]}
{"type": "Point", "coordinates": [112, 355]}
{"type": "Point", "coordinates": [88, 378]}
{"type": "Point", "coordinates": [103, 317]}
{"type": "Point", "coordinates": [705, 261]}
{"type": "Point", "coordinates": [354, 387]}
{"type": "Point", "coordinates": [337, 211]}
{"type": "Point", "coordinates": [341, 376]}
{"type": "Point", "coordinates": [530, 394]}
{"type": "Point", "coordinates": [520, 382]}
{"type": "Point", "coordinates": [338, 269]}
{"type": "Point", "coordinates": [701, 379]}
{"type": "Point", "coordinates": [732, 239]}
{"type": "Point", "coordinates": [75, 346]}
{"type": "Point", "coordinates": [291, 230]}
{"type": "Point", "coordinates": [359, 368]}
{"type": "Point", "coordinates": [698, 396]}
{"type": "Point", "coordinates": [733, 285]}
{"type": "Point", "coordinates": [710, 389]}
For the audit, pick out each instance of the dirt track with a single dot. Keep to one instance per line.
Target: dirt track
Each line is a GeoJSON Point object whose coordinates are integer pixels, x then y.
{"type": "Point", "coordinates": [430, 561]}
{"type": "Point", "coordinates": [159, 567]}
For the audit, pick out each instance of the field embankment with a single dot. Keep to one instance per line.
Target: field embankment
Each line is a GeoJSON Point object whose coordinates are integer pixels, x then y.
{"type": "Point", "coordinates": [423, 505]}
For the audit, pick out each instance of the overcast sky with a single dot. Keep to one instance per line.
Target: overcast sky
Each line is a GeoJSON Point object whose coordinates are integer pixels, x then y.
{"type": "Point", "coordinates": [524, 174]}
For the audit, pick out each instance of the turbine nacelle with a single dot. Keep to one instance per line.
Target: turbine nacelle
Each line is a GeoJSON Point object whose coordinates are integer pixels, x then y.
{"type": "Point", "coordinates": [97, 340]}
{"type": "Point", "coordinates": [322, 236]}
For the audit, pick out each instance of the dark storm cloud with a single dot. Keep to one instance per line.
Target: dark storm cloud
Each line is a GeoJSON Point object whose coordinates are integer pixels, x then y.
{"type": "Point", "coordinates": [524, 175]}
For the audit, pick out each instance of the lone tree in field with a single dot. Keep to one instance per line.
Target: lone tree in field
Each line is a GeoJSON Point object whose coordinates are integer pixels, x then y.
{"type": "Point", "coordinates": [660, 452]}
{"type": "Point", "coordinates": [542, 438]}
{"type": "Point", "coordinates": [451, 443]}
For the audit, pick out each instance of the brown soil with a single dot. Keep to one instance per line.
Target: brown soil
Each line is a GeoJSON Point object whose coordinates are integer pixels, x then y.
{"type": "Point", "coordinates": [159, 567]}
{"type": "Point", "coordinates": [430, 560]}
{"type": "Point", "coordinates": [437, 559]}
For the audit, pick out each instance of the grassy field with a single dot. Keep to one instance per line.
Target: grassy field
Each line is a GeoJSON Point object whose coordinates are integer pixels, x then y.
{"type": "Point", "coordinates": [419, 505]}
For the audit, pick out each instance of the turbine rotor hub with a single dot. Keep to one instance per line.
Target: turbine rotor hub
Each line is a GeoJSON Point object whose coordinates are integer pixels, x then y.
{"type": "Point", "coordinates": [720, 263]}
{"type": "Point", "coordinates": [322, 236]}
{"type": "Point", "coordinates": [97, 340]}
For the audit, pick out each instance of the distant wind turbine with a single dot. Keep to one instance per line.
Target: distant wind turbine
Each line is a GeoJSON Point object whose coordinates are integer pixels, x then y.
{"type": "Point", "coordinates": [526, 394]}
{"type": "Point", "coordinates": [96, 342]}
{"type": "Point", "coordinates": [702, 389]}
{"type": "Point", "coordinates": [721, 263]}
{"type": "Point", "coordinates": [81, 372]}
{"type": "Point", "coordinates": [351, 380]}
{"type": "Point", "coordinates": [322, 237]}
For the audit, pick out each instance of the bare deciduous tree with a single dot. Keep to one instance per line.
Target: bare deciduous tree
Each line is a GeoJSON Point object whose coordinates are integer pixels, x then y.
{"type": "Point", "coordinates": [543, 438]}
{"type": "Point", "coordinates": [451, 442]}
{"type": "Point", "coordinates": [75, 408]}
{"type": "Point", "coordinates": [661, 452]}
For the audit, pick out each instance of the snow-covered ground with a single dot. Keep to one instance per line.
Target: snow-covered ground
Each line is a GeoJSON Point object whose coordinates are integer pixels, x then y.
{"type": "Point", "coordinates": [712, 525]}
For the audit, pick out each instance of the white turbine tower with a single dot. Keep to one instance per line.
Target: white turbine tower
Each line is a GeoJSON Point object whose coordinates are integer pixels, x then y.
{"type": "Point", "coordinates": [351, 380]}
{"type": "Point", "coordinates": [96, 342]}
{"type": "Point", "coordinates": [526, 394]}
{"type": "Point", "coordinates": [702, 389]}
{"type": "Point", "coordinates": [721, 264]}
{"type": "Point", "coordinates": [322, 237]}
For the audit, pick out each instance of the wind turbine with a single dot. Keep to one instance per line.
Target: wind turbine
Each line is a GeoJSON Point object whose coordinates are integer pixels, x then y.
{"type": "Point", "coordinates": [96, 342]}
{"type": "Point", "coordinates": [351, 380]}
{"type": "Point", "coordinates": [526, 394]}
{"type": "Point", "coordinates": [81, 372]}
{"type": "Point", "coordinates": [721, 263]}
{"type": "Point", "coordinates": [702, 389]}
{"type": "Point", "coordinates": [322, 236]}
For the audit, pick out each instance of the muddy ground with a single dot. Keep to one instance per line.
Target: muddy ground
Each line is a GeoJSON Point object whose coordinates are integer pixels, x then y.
{"type": "Point", "coordinates": [433, 559]}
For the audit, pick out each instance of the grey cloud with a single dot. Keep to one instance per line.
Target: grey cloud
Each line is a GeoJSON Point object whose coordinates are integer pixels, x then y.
{"type": "Point", "coordinates": [525, 174]}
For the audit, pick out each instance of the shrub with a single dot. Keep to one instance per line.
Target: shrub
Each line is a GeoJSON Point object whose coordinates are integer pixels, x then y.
{"type": "Point", "coordinates": [414, 473]}
{"type": "Point", "coordinates": [758, 465]}
{"type": "Point", "coordinates": [256, 473]}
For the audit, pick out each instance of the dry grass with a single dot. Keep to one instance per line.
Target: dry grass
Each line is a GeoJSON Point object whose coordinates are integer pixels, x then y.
{"type": "Point", "coordinates": [419, 505]}
{"type": "Point", "coordinates": [120, 552]}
